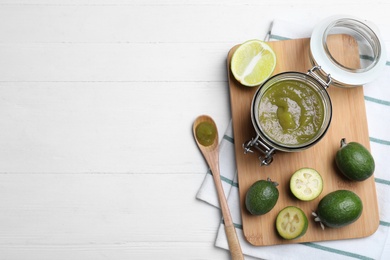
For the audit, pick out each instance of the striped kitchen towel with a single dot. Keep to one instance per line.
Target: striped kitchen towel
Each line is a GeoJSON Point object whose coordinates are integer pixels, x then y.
{"type": "Point", "coordinates": [376, 246]}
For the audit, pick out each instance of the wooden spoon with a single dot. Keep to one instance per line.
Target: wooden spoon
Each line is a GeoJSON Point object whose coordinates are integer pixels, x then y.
{"type": "Point", "coordinates": [210, 152]}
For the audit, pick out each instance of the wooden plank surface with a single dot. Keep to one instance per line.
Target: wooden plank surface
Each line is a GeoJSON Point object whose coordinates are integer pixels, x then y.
{"type": "Point", "coordinates": [348, 121]}
{"type": "Point", "coordinates": [86, 133]}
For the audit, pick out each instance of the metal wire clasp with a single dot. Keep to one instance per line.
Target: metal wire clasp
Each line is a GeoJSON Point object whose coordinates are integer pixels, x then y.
{"type": "Point", "coordinates": [267, 153]}
{"type": "Point", "coordinates": [312, 73]}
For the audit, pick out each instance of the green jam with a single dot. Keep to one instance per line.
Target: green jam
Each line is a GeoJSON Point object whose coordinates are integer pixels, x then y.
{"type": "Point", "coordinates": [206, 133]}
{"type": "Point", "coordinates": [291, 112]}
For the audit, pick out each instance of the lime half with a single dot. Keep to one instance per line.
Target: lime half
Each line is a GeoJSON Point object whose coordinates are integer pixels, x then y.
{"type": "Point", "coordinates": [306, 184]}
{"type": "Point", "coordinates": [253, 62]}
{"type": "Point", "coordinates": [291, 222]}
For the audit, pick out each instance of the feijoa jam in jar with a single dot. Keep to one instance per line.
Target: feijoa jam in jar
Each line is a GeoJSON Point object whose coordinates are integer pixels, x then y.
{"type": "Point", "coordinates": [291, 112]}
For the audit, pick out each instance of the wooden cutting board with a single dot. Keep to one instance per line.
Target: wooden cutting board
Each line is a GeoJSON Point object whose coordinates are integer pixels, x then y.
{"type": "Point", "coordinates": [349, 121]}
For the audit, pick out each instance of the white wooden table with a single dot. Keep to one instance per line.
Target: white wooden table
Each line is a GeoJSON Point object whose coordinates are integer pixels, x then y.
{"type": "Point", "coordinates": [97, 100]}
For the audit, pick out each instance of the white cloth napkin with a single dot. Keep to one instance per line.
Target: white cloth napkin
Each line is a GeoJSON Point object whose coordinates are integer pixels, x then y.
{"type": "Point", "coordinates": [376, 246]}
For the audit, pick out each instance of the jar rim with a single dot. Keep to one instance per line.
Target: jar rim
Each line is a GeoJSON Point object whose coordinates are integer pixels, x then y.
{"type": "Point", "coordinates": [341, 74]}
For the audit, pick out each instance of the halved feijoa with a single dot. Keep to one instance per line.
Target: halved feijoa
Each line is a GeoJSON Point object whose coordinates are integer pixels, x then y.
{"type": "Point", "coordinates": [306, 184]}
{"type": "Point", "coordinates": [291, 222]}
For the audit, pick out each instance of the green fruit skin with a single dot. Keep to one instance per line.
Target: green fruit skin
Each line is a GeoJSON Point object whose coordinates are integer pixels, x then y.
{"type": "Point", "coordinates": [355, 162]}
{"type": "Point", "coordinates": [261, 197]}
{"type": "Point", "coordinates": [339, 208]}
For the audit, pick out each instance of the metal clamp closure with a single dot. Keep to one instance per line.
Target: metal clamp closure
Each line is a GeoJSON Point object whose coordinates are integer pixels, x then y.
{"type": "Point", "coordinates": [312, 73]}
{"type": "Point", "coordinates": [267, 153]}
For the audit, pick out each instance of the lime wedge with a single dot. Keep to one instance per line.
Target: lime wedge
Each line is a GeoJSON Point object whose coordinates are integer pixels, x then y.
{"type": "Point", "coordinates": [253, 62]}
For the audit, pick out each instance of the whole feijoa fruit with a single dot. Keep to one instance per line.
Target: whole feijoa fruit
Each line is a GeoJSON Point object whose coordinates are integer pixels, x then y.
{"type": "Point", "coordinates": [354, 161]}
{"type": "Point", "coordinates": [339, 208]}
{"type": "Point", "coordinates": [261, 197]}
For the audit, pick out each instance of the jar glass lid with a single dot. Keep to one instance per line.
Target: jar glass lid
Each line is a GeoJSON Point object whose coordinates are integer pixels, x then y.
{"type": "Point", "coordinates": [370, 47]}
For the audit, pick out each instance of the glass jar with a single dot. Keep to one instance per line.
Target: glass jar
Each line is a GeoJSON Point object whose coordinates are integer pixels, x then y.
{"type": "Point", "coordinates": [277, 125]}
{"type": "Point", "coordinates": [371, 50]}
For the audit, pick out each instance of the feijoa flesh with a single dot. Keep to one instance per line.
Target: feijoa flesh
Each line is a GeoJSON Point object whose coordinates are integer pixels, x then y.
{"type": "Point", "coordinates": [291, 222]}
{"type": "Point", "coordinates": [306, 184]}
